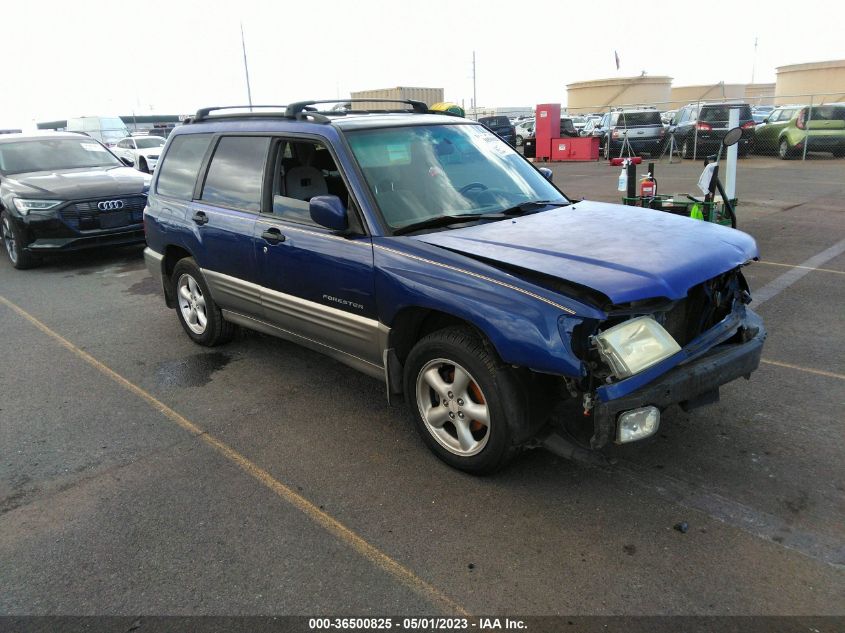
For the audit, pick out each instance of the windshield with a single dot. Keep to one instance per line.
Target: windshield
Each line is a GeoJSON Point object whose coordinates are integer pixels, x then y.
{"type": "Point", "coordinates": [147, 143]}
{"type": "Point", "coordinates": [422, 172]}
{"type": "Point", "coordinates": [52, 154]}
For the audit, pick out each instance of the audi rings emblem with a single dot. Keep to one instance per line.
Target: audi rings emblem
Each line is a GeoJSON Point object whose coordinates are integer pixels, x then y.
{"type": "Point", "coordinates": [110, 205]}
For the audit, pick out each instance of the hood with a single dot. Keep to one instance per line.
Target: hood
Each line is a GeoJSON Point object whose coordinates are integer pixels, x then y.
{"type": "Point", "coordinates": [78, 184]}
{"type": "Point", "coordinates": [626, 253]}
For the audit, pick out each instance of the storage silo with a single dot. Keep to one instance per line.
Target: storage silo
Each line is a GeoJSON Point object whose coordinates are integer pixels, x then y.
{"type": "Point", "coordinates": [598, 95]}
{"type": "Point", "coordinates": [682, 95]}
{"type": "Point", "coordinates": [824, 81]}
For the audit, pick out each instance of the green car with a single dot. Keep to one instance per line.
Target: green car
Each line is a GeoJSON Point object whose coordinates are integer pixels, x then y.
{"type": "Point", "coordinates": [788, 127]}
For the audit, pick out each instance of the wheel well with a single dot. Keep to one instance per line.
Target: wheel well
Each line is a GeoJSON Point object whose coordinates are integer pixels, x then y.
{"type": "Point", "coordinates": [172, 254]}
{"type": "Point", "coordinates": [412, 324]}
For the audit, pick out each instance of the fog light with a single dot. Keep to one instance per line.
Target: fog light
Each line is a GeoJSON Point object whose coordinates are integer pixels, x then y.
{"type": "Point", "coordinates": [637, 424]}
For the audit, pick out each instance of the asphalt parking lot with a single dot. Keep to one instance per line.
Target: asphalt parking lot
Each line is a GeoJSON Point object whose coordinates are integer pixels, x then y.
{"type": "Point", "coordinates": [140, 473]}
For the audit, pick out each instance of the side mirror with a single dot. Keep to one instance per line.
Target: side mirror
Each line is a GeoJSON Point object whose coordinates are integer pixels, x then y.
{"type": "Point", "coordinates": [329, 211]}
{"type": "Point", "coordinates": [547, 173]}
{"type": "Point", "coordinates": [733, 136]}
{"type": "Point", "coordinates": [766, 120]}
{"type": "Point", "coordinates": [126, 161]}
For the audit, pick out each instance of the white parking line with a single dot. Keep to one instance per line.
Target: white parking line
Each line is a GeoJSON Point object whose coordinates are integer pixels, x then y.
{"type": "Point", "coordinates": [818, 270]}
{"type": "Point", "coordinates": [778, 285]}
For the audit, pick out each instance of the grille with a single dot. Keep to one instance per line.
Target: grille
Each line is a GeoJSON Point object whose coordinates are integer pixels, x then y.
{"type": "Point", "coordinates": [85, 216]}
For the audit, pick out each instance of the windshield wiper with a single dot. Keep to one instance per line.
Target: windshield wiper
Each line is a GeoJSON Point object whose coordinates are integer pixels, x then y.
{"type": "Point", "coordinates": [530, 205]}
{"type": "Point", "coordinates": [446, 220]}
{"type": "Point", "coordinates": [438, 221]}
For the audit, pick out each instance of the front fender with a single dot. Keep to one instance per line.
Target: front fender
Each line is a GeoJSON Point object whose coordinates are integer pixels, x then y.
{"type": "Point", "coordinates": [523, 328]}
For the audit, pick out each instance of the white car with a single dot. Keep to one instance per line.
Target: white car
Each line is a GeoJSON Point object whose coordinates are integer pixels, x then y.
{"type": "Point", "coordinates": [523, 130]}
{"type": "Point", "coordinates": [141, 151]}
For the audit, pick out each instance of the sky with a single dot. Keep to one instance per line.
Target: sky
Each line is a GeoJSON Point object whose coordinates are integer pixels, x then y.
{"type": "Point", "coordinates": [91, 57]}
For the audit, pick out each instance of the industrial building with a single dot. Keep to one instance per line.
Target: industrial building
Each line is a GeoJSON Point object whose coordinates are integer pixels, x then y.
{"type": "Point", "coordinates": [428, 96]}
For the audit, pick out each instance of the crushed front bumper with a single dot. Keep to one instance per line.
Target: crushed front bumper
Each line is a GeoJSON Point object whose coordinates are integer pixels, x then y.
{"type": "Point", "coordinates": [697, 379]}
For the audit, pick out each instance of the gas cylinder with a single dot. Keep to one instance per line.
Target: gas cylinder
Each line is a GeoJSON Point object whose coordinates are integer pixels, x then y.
{"type": "Point", "coordinates": [648, 188]}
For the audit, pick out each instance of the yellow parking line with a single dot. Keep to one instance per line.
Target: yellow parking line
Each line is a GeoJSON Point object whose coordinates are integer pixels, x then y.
{"type": "Point", "coordinates": [821, 270]}
{"type": "Point", "coordinates": [818, 372]}
{"type": "Point", "coordinates": [321, 518]}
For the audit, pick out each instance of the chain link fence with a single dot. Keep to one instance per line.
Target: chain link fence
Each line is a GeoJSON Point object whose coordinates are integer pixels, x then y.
{"type": "Point", "coordinates": [798, 125]}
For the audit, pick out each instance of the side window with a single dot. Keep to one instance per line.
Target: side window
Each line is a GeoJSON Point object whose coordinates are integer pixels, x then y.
{"type": "Point", "coordinates": [236, 174]}
{"type": "Point", "coordinates": [122, 144]}
{"type": "Point", "coordinates": [178, 172]}
{"type": "Point", "coordinates": [303, 169]}
{"type": "Point", "coordinates": [786, 115]}
{"type": "Point", "coordinates": [778, 115]}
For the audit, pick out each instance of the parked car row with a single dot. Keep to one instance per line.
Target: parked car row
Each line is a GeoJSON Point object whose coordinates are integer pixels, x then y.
{"type": "Point", "coordinates": [422, 250]}
{"type": "Point", "coordinates": [698, 129]}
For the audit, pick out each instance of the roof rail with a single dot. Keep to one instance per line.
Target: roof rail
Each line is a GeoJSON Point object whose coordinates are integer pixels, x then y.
{"type": "Point", "coordinates": [295, 110]}
{"type": "Point", "coordinates": [303, 110]}
{"type": "Point", "coordinates": [203, 113]}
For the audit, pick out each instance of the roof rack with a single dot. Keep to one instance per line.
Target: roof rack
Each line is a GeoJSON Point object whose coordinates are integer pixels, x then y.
{"type": "Point", "coordinates": [304, 110]}
{"type": "Point", "coordinates": [203, 113]}
{"type": "Point", "coordinates": [295, 110]}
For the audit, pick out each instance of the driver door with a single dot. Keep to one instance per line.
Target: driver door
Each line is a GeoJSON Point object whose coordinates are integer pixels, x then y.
{"type": "Point", "coordinates": [317, 285]}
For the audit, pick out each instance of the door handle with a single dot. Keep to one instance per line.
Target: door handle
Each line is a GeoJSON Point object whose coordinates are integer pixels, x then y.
{"type": "Point", "coordinates": [200, 218]}
{"type": "Point", "coordinates": [273, 236]}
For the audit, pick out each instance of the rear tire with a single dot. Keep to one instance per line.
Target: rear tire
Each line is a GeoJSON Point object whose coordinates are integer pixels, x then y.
{"type": "Point", "coordinates": [518, 141]}
{"type": "Point", "coordinates": [200, 317]}
{"type": "Point", "coordinates": [452, 376]}
{"type": "Point", "coordinates": [686, 148]}
{"type": "Point", "coordinates": [13, 243]}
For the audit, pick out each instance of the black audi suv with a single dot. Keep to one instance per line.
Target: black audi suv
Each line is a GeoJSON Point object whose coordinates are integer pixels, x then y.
{"type": "Point", "coordinates": [62, 192]}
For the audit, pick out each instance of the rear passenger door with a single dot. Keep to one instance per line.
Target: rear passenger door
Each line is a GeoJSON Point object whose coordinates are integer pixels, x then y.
{"type": "Point", "coordinates": [222, 216]}
{"type": "Point", "coordinates": [317, 284]}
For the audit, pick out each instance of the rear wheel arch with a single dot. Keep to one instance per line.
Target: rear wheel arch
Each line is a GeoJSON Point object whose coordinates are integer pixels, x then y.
{"type": "Point", "coordinates": [172, 255]}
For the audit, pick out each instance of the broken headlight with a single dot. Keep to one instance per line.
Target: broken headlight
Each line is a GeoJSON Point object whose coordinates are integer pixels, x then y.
{"type": "Point", "coordinates": [635, 345]}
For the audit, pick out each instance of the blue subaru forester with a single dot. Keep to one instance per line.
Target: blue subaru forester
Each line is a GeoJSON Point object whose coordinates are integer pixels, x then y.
{"type": "Point", "coordinates": [424, 251]}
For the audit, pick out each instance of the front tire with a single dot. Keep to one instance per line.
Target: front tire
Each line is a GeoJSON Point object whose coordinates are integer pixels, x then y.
{"type": "Point", "coordinates": [466, 405]}
{"type": "Point", "coordinates": [13, 243]}
{"type": "Point", "coordinates": [199, 315]}
{"type": "Point", "coordinates": [142, 165]}
{"type": "Point", "coordinates": [784, 151]}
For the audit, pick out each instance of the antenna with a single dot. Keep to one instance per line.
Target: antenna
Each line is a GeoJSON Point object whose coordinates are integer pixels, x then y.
{"type": "Point", "coordinates": [474, 97]}
{"type": "Point", "coordinates": [246, 69]}
{"type": "Point", "coordinates": [754, 63]}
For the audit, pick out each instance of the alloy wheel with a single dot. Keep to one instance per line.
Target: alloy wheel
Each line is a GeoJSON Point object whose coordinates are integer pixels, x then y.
{"type": "Point", "coordinates": [453, 407]}
{"type": "Point", "coordinates": [9, 241]}
{"type": "Point", "coordinates": [192, 304]}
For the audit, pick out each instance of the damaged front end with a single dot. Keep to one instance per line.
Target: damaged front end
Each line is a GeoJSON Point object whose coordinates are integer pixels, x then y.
{"type": "Point", "coordinates": [648, 355]}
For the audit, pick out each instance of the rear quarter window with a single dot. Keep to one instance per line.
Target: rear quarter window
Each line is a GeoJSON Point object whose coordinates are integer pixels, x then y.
{"type": "Point", "coordinates": [236, 174]}
{"type": "Point", "coordinates": [178, 171]}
